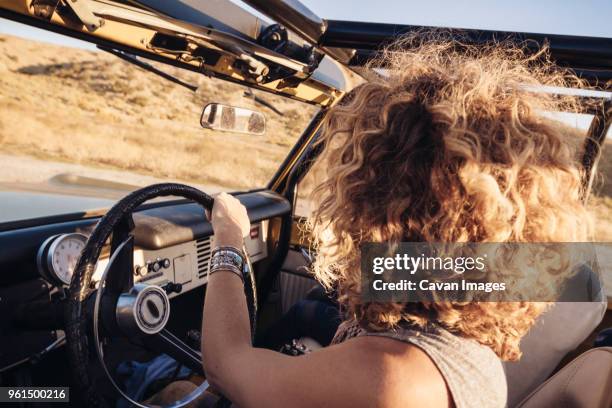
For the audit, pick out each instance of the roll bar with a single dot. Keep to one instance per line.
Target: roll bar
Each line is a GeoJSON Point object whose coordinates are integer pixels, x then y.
{"type": "Point", "coordinates": [589, 57]}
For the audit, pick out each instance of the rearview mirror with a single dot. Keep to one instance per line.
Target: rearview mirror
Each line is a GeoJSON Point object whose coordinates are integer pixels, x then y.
{"type": "Point", "coordinates": [228, 118]}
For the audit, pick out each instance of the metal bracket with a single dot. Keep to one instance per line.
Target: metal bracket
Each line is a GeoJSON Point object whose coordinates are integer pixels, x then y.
{"type": "Point", "coordinates": [84, 13]}
{"type": "Point", "coordinates": [253, 67]}
{"type": "Point", "coordinates": [44, 8]}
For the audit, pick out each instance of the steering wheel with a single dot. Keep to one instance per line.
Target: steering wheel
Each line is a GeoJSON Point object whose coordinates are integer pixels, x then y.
{"type": "Point", "coordinates": [120, 308]}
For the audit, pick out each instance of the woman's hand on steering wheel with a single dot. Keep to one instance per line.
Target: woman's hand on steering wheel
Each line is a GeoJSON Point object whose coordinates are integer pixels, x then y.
{"type": "Point", "coordinates": [229, 220]}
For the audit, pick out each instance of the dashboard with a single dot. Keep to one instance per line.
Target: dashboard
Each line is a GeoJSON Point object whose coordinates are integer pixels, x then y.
{"type": "Point", "coordinates": [184, 266]}
{"type": "Point", "coordinates": [172, 246]}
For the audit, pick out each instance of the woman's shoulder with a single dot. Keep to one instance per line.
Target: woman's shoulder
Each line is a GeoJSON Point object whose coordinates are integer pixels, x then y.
{"type": "Point", "coordinates": [397, 374]}
{"type": "Point", "coordinates": [473, 372]}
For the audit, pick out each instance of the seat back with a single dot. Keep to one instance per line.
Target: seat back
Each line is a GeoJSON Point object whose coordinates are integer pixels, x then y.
{"type": "Point", "coordinates": [586, 382]}
{"type": "Point", "coordinates": [557, 332]}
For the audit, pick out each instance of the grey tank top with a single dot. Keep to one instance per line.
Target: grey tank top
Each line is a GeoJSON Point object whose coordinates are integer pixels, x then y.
{"type": "Point", "coordinates": [473, 372]}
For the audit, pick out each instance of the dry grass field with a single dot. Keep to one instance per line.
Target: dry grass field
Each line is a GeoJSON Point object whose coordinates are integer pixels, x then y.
{"type": "Point", "coordinates": [91, 108]}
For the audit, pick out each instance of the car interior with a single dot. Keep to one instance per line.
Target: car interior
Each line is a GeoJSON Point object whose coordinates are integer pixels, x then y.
{"type": "Point", "coordinates": [137, 289]}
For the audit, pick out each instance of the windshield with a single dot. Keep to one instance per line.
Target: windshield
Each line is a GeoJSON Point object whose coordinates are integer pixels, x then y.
{"type": "Point", "coordinates": [80, 128]}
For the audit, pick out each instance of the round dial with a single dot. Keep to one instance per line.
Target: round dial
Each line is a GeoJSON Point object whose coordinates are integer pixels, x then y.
{"type": "Point", "coordinates": [58, 257]}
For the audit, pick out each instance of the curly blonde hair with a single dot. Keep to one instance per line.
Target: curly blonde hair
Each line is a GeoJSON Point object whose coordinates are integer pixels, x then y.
{"type": "Point", "coordinates": [450, 144]}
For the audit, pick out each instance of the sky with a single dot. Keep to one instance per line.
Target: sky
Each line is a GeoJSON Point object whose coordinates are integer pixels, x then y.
{"type": "Point", "coordinates": [577, 17]}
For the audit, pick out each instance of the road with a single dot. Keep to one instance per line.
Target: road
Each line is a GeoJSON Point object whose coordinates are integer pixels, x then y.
{"type": "Point", "coordinates": [33, 188]}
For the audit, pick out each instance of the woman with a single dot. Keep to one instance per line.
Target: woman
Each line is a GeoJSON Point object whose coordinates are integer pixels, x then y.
{"type": "Point", "coordinates": [449, 144]}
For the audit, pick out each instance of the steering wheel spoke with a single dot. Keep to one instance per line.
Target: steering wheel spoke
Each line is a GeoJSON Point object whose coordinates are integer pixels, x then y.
{"type": "Point", "coordinates": [120, 275]}
{"type": "Point", "coordinates": [166, 342]}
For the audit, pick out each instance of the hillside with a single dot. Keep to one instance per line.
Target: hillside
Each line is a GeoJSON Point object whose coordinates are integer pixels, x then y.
{"type": "Point", "coordinates": [91, 108]}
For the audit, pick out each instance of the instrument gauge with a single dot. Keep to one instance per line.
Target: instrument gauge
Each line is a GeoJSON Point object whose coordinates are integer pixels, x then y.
{"type": "Point", "coordinates": [58, 255]}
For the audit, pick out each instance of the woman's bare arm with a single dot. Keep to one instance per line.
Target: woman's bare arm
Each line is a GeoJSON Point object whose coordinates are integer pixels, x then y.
{"type": "Point", "coordinates": [361, 372]}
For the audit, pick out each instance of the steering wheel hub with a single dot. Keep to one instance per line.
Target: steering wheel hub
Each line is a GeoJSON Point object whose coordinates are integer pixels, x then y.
{"type": "Point", "coordinates": [144, 309]}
